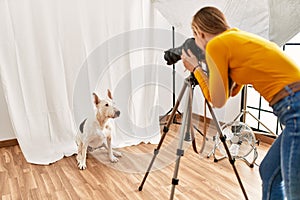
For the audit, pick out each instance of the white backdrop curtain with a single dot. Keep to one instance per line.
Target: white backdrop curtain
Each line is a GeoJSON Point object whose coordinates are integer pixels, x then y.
{"type": "Point", "coordinates": [54, 54]}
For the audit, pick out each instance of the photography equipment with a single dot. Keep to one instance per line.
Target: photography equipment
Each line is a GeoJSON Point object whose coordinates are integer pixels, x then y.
{"type": "Point", "coordinates": [187, 129]}
{"type": "Point", "coordinates": [241, 144]}
{"type": "Point", "coordinates": [244, 111]}
{"type": "Point", "coordinates": [173, 84]}
{"type": "Point", "coordinates": [240, 140]}
{"type": "Point", "coordinates": [174, 54]}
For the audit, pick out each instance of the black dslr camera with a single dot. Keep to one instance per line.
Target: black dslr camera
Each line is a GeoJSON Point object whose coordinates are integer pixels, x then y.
{"type": "Point", "coordinates": [174, 54]}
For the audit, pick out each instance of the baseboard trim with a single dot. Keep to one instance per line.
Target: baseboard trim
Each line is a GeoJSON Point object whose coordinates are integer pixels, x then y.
{"type": "Point", "coordinates": [259, 136]}
{"type": "Point", "coordinates": [266, 138]}
{"type": "Point", "coordinates": [7, 143]}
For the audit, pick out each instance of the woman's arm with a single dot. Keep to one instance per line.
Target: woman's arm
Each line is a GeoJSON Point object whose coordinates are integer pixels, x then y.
{"type": "Point", "coordinates": [191, 63]}
{"type": "Point", "coordinates": [203, 82]}
{"type": "Point", "coordinates": [218, 61]}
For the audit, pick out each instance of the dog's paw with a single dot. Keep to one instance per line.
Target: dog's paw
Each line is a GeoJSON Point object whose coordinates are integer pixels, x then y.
{"type": "Point", "coordinates": [81, 166]}
{"type": "Point", "coordinates": [113, 159]}
{"type": "Point", "coordinates": [117, 153]}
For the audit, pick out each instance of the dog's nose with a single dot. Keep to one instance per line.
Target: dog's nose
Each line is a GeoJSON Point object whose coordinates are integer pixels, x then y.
{"type": "Point", "coordinates": [117, 113]}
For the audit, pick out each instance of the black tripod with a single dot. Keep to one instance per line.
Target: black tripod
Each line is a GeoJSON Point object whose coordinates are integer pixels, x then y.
{"type": "Point", "coordinates": [185, 130]}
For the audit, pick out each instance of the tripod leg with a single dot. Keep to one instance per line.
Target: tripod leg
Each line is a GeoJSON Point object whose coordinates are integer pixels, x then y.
{"type": "Point", "coordinates": [180, 152]}
{"type": "Point", "coordinates": [223, 140]}
{"type": "Point", "coordinates": [188, 134]}
{"type": "Point", "coordinates": [165, 131]}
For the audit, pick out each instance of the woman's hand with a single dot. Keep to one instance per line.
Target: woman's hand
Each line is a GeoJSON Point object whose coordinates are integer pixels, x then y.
{"type": "Point", "coordinates": [189, 60]}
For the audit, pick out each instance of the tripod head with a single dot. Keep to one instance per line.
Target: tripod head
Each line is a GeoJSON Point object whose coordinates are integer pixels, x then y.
{"type": "Point", "coordinates": [192, 80]}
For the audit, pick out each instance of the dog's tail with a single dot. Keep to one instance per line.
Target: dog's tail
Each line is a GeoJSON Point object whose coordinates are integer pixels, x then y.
{"type": "Point", "coordinates": [81, 126]}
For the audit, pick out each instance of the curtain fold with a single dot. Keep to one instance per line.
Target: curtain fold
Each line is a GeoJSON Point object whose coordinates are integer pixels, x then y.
{"type": "Point", "coordinates": [54, 54]}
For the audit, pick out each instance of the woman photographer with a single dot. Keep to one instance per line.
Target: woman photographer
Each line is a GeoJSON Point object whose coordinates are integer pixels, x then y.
{"type": "Point", "coordinates": [235, 58]}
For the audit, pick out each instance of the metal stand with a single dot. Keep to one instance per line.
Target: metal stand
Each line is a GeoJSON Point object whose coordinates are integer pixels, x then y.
{"type": "Point", "coordinates": [173, 77]}
{"type": "Point", "coordinates": [244, 112]}
{"type": "Point", "coordinates": [186, 126]}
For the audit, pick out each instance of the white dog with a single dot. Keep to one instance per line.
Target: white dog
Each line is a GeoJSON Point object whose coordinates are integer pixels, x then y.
{"type": "Point", "coordinates": [95, 131]}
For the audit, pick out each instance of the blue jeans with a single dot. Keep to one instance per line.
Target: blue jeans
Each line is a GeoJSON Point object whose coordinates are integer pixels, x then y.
{"type": "Point", "coordinates": [280, 169]}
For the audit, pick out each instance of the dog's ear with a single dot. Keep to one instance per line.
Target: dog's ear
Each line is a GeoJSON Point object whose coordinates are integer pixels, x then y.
{"type": "Point", "coordinates": [109, 94]}
{"type": "Point", "coordinates": [96, 98]}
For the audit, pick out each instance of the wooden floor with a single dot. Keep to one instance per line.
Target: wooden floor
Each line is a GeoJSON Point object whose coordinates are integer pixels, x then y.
{"type": "Point", "coordinates": [199, 177]}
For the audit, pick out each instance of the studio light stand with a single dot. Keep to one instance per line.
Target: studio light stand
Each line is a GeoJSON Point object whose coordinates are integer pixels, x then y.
{"type": "Point", "coordinates": [187, 129]}
{"type": "Point", "coordinates": [244, 112]}
{"type": "Point", "coordinates": [173, 84]}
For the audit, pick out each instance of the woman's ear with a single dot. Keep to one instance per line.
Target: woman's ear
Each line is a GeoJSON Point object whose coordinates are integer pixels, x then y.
{"type": "Point", "coordinates": [202, 35]}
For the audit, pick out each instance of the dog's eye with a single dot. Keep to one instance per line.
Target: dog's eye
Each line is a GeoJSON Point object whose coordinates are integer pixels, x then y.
{"type": "Point", "coordinates": [106, 105]}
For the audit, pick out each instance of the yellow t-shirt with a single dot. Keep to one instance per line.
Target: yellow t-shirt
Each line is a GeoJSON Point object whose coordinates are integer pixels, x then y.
{"type": "Point", "coordinates": [246, 59]}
